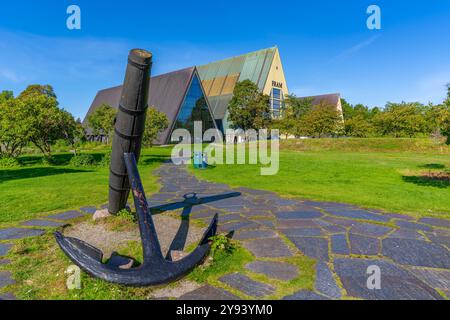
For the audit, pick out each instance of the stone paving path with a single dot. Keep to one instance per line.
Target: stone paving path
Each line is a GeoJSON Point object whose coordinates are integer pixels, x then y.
{"type": "Point", "coordinates": [345, 240]}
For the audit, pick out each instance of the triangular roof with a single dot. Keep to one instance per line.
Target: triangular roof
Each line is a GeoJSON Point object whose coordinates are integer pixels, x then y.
{"type": "Point", "coordinates": [219, 78]}
{"type": "Point", "coordinates": [331, 98]}
{"type": "Point", "coordinates": [166, 94]}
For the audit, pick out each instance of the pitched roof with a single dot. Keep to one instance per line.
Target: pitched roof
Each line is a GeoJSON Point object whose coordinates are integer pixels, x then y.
{"type": "Point", "coordinates": [219, 78]}
{"type": "Point", "coordinates": [166, 94]}
{"type": "Point", "coordinates": [332, 98]}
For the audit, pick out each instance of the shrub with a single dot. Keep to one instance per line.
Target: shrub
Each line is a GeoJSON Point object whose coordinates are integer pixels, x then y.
{"type": "Point", "coordinates": [82, 160]}
{"type": "Point", "coordinates": [106, 160]}
{"type": "Point", "coordinates": [127, 215]}
{"type": "Point", "coordinates": [222, 244]}
{"type": "Point", "coordinates": [48, 161]}
{"type": "Point", "coordinates": [8, 162]}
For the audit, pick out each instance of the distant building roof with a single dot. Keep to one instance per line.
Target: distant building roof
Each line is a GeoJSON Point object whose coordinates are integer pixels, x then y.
{"type": "Point", "coordinates": [332, 98]}
{"type": "Point", "coordinates": [219, 78]}
{"type": "Point", "coordinates": [166, 94]}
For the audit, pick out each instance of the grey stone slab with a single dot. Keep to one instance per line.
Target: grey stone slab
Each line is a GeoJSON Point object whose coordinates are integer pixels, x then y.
{"type": "Point", "coordinates": [339, 244]}
{"type": "Point", "coordinates": [396, 282]}
{"type": "Point", "coordinates": [4, 262]}
{"type": "Point", "coordinates": [248, 286]}
{"type": "Point", "coordinates": [19, 233]}
{"type": "Point", "coordinates": [370, 230]}
{"type": "Point", "coordinates": [364, 245]}
{"type": "Point", "coordinates": [416, 253]}
{"type": "Point", "coordinates": [340, 221]}
{"type": "Point", "coordinates": [69, 215]}
{"type": "Point", "coordinates": [303, 232]}
{"type": "Point", "coordinates": [441, 223]}
{"type": "Point", "coordinates": [209, 293]}
{"type": "Point", "coordinates": [205, 213]}
{"type": "Point", "coordinates": [89, 210]}
{"type": "Point", "coordinates": [358, 214]}
{"type": "Point", "coordinates": [254, 191]}
{"type": "Point", "coordinates": [7, 297]}
{"type": "Point", "coordinates": [413, 225]}
{"type": "Point", "coordinates": [440, 240]}
{"type": "Point", "coordinates": [438, 279]}
{"type": "Point", "coordinates": [325, 282]}
{"type": "Point", "coordinates": [235, 209]}
{"type": "Point", "coordinates": [255, 234]}
{"type": "Point", "coordinates": [316, 248]}
{"type": "Point", "coordinates": [286, 202]}
{"type": "Point", "coordinates": [399, 216]}
{"type": "Point", "coordinates": [4, 249]}
{"type": "Point", "coordinates": [235, 226]}
{"type": "Point", "coordinates": [306, 295]}
{"type": "Point", "coordinates": [42, 223]}
{"type": "Point", "coordinates": [265, 223]}
{"type": "Point", "coordinates": [230, 217]}
{"type": "Point", "coordinates": [275, 270]}
{"type": "Point", "coordinates": [334, 229]}
{"type": "Point", "coordinates": [5, 279]}
{"type": "Point", "coordinates": [259, 213]}
{"type": "Point", "coordinates": [293, 215]}
{"type": "Point", "coordinates": [407, 234]}
{"type": "Point", "coordinates": [297, 223]}
{"type": "Point", "coordinates": [268, 248]}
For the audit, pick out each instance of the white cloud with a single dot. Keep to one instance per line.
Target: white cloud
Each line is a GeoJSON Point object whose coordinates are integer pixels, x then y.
{"type": "Point", "coordinates": [356, 48]}
{"type": "Point", "coordinates": [10, 75]}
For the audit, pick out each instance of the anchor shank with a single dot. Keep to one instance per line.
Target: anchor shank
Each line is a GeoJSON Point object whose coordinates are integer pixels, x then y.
{"type": "Point", "coordinates": [150, 243]}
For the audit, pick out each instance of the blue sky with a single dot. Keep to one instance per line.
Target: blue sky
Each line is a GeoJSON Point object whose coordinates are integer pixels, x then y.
{"type": "Point", "coordinates": [325, 45]}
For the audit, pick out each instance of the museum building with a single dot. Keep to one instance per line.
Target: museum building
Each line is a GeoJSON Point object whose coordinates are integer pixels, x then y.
{"type": "Point", "coordinates": [203, 93]}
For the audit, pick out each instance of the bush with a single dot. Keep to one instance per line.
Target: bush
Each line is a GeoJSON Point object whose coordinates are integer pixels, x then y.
{"type": "Point", "coordinates": [106, 160]}
{"type": "Point", "coordinates": [127, 215]}
{"type": "Point", "coordinates": [223, 244]}
{"type": "Point", "coordinates": [7, 162]}
{"type": "Point", "coordinates": [82, 160]}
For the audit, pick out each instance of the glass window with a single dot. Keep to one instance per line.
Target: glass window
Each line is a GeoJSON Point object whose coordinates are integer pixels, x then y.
{"type": "Point", "coordinates": [194, 108]}
{"type": "Point", "coordinates": [276, 93]}
{"type": "Point", "coordinates": [276, 105]}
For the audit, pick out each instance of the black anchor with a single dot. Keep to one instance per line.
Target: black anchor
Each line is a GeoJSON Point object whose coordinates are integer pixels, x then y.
{"type": "Point", "coordinates": [155, 269]}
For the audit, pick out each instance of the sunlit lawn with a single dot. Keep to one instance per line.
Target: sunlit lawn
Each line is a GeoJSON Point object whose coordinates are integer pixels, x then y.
{"type": "Point", "coordinates": [33, 189]}
{"type": "Point", "coordinates": [390, 181]}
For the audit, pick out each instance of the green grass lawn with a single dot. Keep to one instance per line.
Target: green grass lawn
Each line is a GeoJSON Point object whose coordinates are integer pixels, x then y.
{"type": "Point", "coordinates": [379, 173]}
{"type": "Point", "coordinates": [33, 189]}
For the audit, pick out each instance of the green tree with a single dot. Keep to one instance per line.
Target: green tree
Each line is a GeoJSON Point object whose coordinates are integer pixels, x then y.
{"type": "Point", "coordinates": [5, 96]}
{"type": "Point", "coordinates": [37, 89]}
{"type": "Point", "coordinates": [323, 120]}
{"type": "Point", "coordinates": [44, 120]}
{"type": "Point", "coordinates": [445, 127]}
{"type": "Point", "coordinates": [299, 106]}
{"type": "Point", "coordinates": [347, 109]}
{"type": "Point", "coordinates": [72, 130]}
{"type": "Point", "coordinates": [286, 123]}
{"type": "Point", "coordinates": [359, 127]}
{"type": "Point", "coordinates": [13, 129]}
{"type": "Point", "coordinates": [402, 120]}
{"type": "Point", "coordinates": [156, 122]}
{"type": "Point", "coordinates": [249, 108]}
{"type": "Point", "coordinates": [101, 121]}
